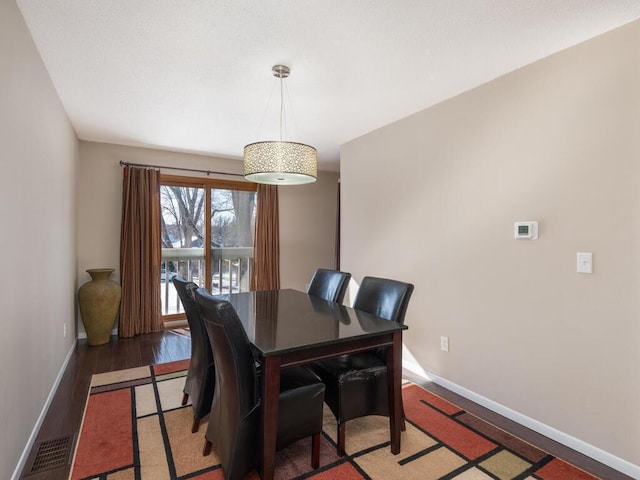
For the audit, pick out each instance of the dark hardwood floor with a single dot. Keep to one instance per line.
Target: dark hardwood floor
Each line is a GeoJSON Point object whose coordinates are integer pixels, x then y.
{"type": "Point", "coordinates": [67, 407]}
{"type": "Point", "coordinates": [64, 416]}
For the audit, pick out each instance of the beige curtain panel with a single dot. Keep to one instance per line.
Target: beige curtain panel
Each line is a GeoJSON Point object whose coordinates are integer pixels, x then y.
{"type": "Point", "coordinates": [140, 253]}
{"type": "Point", "coordinates": [266, 250]}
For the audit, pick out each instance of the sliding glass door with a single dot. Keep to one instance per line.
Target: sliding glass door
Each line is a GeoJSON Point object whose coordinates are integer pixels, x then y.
{"type": "Point", "coordinates": [207, 231]}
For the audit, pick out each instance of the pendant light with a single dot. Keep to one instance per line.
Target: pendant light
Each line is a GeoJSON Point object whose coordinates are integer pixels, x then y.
{"type": "Point", "coordinates": [280, 162]}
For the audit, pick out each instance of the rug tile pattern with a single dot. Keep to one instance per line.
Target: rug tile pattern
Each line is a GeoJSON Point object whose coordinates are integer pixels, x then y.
{"type": "Point", "coordinates": [134, 428]}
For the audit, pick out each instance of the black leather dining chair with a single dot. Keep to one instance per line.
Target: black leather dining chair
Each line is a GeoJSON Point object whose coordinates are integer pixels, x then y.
{"type": "Point", "coordinates": [329, 284]}
{"type": "Point", "coordinates": [234, 424]}
{"type": "Point", "coordinates": [201, 376]}
{"type": "Point", "coordinates": [357, 383]}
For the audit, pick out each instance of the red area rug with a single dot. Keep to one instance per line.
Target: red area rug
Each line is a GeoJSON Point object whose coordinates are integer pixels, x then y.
{"type": "Point", "coordinates": [135, 428]}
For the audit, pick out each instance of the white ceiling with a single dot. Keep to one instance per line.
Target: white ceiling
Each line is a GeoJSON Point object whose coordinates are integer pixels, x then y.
{"type": "Point", "coordinates": [195, 75]}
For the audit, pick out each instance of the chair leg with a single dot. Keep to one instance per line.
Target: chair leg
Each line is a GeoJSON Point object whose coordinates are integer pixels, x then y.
{"type": "Point", "coordinates": [340, 446]}
{"type": "Point", "coordinates": [207, 448]}
{"type": "Point", "coordinates": [195, 426]}
{"type": "Point", "coordinates": [185, 398]}
{"type": "Point", "coordinates": [315, 451]}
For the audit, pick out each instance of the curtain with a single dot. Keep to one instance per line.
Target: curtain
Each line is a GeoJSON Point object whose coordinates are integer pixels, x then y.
{"type": "Point", "coordinates": [266, 250]}
{"type": "Point", "coordinates": [140, 253]}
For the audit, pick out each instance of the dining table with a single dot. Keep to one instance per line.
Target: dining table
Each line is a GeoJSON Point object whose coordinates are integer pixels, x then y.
{"type": "Point", "coordinates": [290, 328]}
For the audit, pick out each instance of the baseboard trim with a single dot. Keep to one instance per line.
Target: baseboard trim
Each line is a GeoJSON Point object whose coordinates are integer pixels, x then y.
{"type": "Point", "coordinates": [576, 444]}
{"type": "Point", "coordinates": [83, 335]}
{"type": "Point", "coordinates": [38, 424]}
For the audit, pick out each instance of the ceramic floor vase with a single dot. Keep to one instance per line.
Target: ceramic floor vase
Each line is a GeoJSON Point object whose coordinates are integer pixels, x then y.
{"type": "Point", "coordinates": [99, 301]}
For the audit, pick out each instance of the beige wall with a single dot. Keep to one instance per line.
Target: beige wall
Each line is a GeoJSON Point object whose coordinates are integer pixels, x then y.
{"type": "Point", "coordinates": [307, 213]}
{"type": "Point", "coordinates": [37, 211]}
{"type": "Point", "coordinates": [307, 229]}
{"type": "Point", "coordinates": [432, 199]}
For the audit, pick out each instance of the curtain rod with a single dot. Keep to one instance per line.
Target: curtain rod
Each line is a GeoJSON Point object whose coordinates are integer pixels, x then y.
{"type": "Point", "coordinates": [208, 172]}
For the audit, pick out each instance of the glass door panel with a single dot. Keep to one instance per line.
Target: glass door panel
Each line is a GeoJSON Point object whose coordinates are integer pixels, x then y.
{"type": "Point", "coordinates": [232, 230]}
{"type": "Point", "coordinates": [207, 229]}
{"type": "Point", "coordinates": [183, 235]}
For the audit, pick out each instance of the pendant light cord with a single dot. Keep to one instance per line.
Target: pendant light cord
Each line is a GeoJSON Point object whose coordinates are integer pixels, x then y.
{"type": "Point", "coordinates": [281, 107]}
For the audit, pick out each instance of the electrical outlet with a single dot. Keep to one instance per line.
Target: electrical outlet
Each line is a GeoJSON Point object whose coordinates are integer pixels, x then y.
{"type": "Point", "coordinates": [64, 329]}
{"type": "Point", "coordinates": [444, 344]}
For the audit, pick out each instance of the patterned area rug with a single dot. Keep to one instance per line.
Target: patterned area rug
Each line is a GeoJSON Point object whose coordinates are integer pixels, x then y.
{"type": "Point", "coordinates": [135, 428]}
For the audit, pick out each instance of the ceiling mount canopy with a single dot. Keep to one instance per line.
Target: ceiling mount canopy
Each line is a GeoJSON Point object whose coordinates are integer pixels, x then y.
{"type": "Point", "coordinates": [280, 162]}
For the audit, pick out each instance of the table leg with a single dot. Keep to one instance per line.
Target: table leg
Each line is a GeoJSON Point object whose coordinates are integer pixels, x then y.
{"type": "Point", "coordinates": [394, 382]}
{"type": "Point", "coordinates": [270, 400]}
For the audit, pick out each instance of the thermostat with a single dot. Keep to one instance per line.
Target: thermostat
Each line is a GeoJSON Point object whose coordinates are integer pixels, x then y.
{"type": "Point", "coordinates": [525, 230]}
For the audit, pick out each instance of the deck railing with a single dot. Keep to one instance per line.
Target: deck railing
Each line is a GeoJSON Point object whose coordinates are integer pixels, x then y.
{"type": "Point", "coordinates": [230, 272]}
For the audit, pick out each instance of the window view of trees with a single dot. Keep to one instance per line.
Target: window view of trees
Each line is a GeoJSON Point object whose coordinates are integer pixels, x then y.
{"type": "Point", "coordinates": [182, 216]}
{"type": "Point", "coordinates": [187, 214]}
{"type": "Point", "coordinates": [232, 217]}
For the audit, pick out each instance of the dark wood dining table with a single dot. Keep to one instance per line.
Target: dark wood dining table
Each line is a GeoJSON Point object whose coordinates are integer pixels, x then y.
{"type": "Point", "coordinates": [289, 328]}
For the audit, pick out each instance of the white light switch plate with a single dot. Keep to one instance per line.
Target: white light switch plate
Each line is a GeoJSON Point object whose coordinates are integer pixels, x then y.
{"type": "Point", "coordinates": [584, 262]}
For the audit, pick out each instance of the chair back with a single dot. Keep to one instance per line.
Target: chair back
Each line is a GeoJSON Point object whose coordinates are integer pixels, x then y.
{"type": "Point", "coordinates": [329, 284]}
{"type": "Point", "coordinates": [384, 298]}
{"type": "Point", "coordinates": [200, 382]}
{"type": "Point", "coordinates": [234, 421]}
{"type": "Point", "coordinates": [199, 339]}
